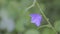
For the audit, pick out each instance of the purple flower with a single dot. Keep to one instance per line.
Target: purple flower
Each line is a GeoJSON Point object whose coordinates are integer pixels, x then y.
{"type": "Point", "coordinates": [36, 19]}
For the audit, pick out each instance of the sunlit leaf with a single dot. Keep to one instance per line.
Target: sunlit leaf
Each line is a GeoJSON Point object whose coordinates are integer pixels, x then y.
{"type": "Point", "coordinates": [47, 31]}
{"type": "Point", "coordinates": [32, 31]}
{"type": "Point", "coordinates": [57, 25]}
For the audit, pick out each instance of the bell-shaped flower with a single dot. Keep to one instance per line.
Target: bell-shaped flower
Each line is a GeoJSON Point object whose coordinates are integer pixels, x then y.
{"type": "Point", "coordinates": [36, 19]}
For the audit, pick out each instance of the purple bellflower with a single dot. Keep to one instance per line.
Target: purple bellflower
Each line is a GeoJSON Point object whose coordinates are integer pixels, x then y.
{"type": "Point", "coordinates": [36, 19]}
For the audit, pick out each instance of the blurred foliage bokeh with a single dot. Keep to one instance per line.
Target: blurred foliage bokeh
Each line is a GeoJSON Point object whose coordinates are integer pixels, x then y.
{"type": "Point", "coordinates": [15, 19]}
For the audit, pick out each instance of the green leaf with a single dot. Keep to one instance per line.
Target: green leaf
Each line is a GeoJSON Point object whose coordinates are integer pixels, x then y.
{"type": "Point", "coordinates": [20, 25]}
{"type": "Point", "coordinates": [27, 18]}
{"type": "Point", "coordinates": [47, 31]}
{"type": "Point", "coordinates": [57, 25]}
{"type": "Point", "coordinates": [22, 22]}
{"type": "Point", "coordinates": [32, 31]}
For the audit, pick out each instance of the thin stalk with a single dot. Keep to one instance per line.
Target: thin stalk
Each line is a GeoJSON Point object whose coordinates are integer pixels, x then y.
{"type": "Point", "coordinates": [33, 4]}
{"type": "Point", "coordinates": [45, 16]}
{"type": "Point", "coordinates": [42, 26]}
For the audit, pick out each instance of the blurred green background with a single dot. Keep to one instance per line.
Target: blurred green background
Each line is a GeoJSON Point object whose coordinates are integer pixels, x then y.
{"type": "Point", "coordinates": [15, 19]}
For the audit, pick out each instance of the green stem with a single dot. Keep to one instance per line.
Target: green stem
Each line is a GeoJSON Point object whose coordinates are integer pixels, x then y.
{"type": "Point", "coordinates": [33, 4]}
{"type": "Point", "coordinates": [42, 26]}
{"type": "Point", "coordinates": [45, 16]}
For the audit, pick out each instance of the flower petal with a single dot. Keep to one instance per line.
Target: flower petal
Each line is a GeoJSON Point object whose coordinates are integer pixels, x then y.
{"type": "Point", "coordinates": [36, 19]}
